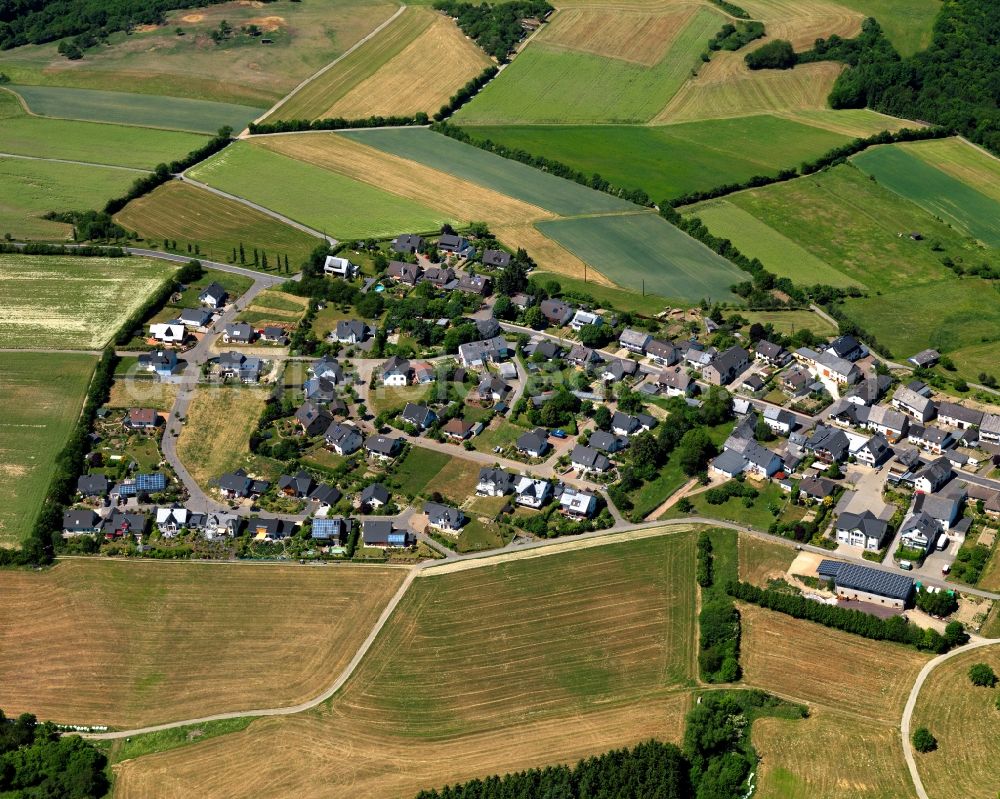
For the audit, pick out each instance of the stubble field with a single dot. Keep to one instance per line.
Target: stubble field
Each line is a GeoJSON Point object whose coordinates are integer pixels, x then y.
{"type": "Point", "coordinates": [126, 644]}
{"type": "Point", "coordinates": [577, 652]}
{"type": "Point", "coordinates": [62, 302]}
{"type": "Point", "coordinates": [40, 400]}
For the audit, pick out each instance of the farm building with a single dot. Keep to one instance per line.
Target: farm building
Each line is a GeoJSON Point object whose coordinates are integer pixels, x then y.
{"type": "Point", "coordinates": [864, 584]}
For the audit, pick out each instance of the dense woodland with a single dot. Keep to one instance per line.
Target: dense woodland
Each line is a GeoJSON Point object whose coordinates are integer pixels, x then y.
{"type": "Point", "coordinates": [40, 21]}
{"type": "Point", "coordinates": [36, 762]}
{"type": "Point", "coordinates": [495, 28]}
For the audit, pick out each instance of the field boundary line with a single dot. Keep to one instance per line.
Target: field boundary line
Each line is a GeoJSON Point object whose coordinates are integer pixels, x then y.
{"type": "Point", "coordinates": [322, 71]}
{"type": "Point", "coordinates": [76, 163]}
{"type": "Point", "coordinates": [260, 563]}
{"type": "Point", "coordinates": [911, 703]}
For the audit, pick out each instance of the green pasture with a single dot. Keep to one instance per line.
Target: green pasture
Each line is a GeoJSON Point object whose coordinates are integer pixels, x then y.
{"type": "Point", "coordinates": [976, 359]}
{"type": "Point", "coordinates": [508, 177]}
{"type": "Point", "coordinates": [671, 160]}
{"type": "Point", "coordinates": [780, 254]}
{"type": "Point", "coordinates": [606, 296]}
{"type": "Point", "coordinates": [948, 315]}
{"type": "Point", "coordinates": [961, 159]}
{"type": "Point", "coordinates": [116, 145]}
{"type": "Point", "coordinates": [789, 322]}
{"type": "Point", "coordinates": [549, 84]}
{"type": "Point", "coordinates": [314, 196]}
{"type": "Point", "coordinates": [934, 190]}
{"type": "Point", "coordinates": [907, 23]}
{"type": "Point", "coordinates": [127, 108]}
{"type": "Point", "coordinates": [40, 402]}
{"type": "Point", "coordinates": [644, 252]}
{"type": "Point", "coordinates": [844, 219]}
{"type": "Point", "coordinates": [29, 189]}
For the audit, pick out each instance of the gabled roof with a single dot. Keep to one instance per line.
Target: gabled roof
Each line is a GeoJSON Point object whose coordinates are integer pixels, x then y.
{"type": "Point", "coordinates": [381, 445]}
{"type": "Point", "coordinates": [771, 351]}
{"type": "Point", "coordinates": [419, 415]}
{"type": "Point", "coordinates": [911, 399]}
{"type": "Point", "coordinates": [375, 491]}
{"type": "Point", "coordinates": [325, 494]}
{"type": "Point", "coordinates": [438, 514]}
{"type": "Point", "coordinates": [213, 291]}
{"type": "Point", "coordinates": [867, 522]}
{"type": "Point", "coordinates": [589, 458]}
{"type": "Point", "coordinates": [938, 471]}
{"type": "Point", "coordinates": [884, 416]}
{"type": "Point", "coordinates": [533, 441]}
{"type": "Point", "coordinates": [497, 477]}
{"type": "Point", "coordinates": [607, 442]}
{"type": "Point", "coordinates": [953, 410]}
{"type": "Point", "coordinates": [348, 328]}
{"type": "Point", "coordinates": [843, 346]}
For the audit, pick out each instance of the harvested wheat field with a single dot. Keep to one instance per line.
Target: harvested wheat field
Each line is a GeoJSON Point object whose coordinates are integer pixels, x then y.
{"type": "Point", "coordinates": [638, 37]}
{"type": "Point", "coordinates": [803, 21]}
{"type": "Point", "coordinates": [811, 663]}
{"type": "Point", "coordinates": [488, 669]}
{"type": "Point", "coordinates": [829, 756]}
{"type": "Point", "coordinates": [726, 88]}
{"type": "Point", "coordinates": [761, 561]}
{"type": "Point", "coordinates": [216, 433]}
{"type": "Point", "coordinates": [420, 78]}
{"type": "Point", "coordinates": [445, 193]}
{"type": "Point", "coordinates": [322, 754]}
{"type": "Point", "coordinates": [965, 720]}
{"type": "Point", "coordinates": [127, 644]}
{"type": "Point", "coordinates": [547, 253]}
{"type": "Point", "coordinates": [856, 122]}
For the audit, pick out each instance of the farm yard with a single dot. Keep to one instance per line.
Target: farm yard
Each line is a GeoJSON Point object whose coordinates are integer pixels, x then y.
{"type": "Point", "coordinates": [41, 399]}
{"type": "Point", "coordinates": [962, 717]}
{"type": "Point", "coordinates": [62, 302]}
{"type": "Point", "coordinates": [911, 173]}
{"type": "Point", "coordinates": [92, 142]}
{"type": "Point", "coordinates": [514, 179]}
{"type": "Point", "coordinates": [29, 189]}
{"type": "Point", "coordinates": [154, 60]}
{"type": "Point", "coordinates": [189, 215]}
{"type": "Point", "coordinates": [614, 659]}
{"type": "Point", "coordinates": [414, 64]}
{"type": "Point", "coordinates": [216, 433]}
{"type": "Point", "coordinates": [126, 108]}
{"type": "Point", "coordinates": [639, 251]}
{"type": "Point", "coordinates": [127, 644]}
{"type": "Point", "coordinates": [631, 80]}
{"type": "Point", "coordinates": [670, 160]}
{"type": "Point", "coordinates": [317, 197]}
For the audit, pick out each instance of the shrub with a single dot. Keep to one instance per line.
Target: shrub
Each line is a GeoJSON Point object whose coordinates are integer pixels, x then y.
{"type": "Point", "coordinates": [773, 55]}
{"type": "Point", "coordinates": [982, 675]}
{"type": "Point", "coordinates": [923, 741]}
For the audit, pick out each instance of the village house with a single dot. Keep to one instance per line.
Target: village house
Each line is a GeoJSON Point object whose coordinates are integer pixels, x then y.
{"type": "Point", "coordinates": [952, 414]}
{"type": "Point", "coordinates": [402, 272]}
{"type": "Point", "coordinates": [195, 318]}
{"type": "Point", "coordinates": [420, 416]}
{"type": "Point", "coordinates": [534, 443]}
{"type": "Point", "coordinates": [382, 448]}
{"type": "Point", "coordinates": [576, 504]}
{"type": "Point", "coordinates": [272, 334]}
{"type": "Point", "coordinates": [170, 521]}
{"type": "Point", "coordinates": [726, 366]}
{"type": "Point", "coordinates": [925, 359]}
{"type": "Point", "coordinates": [457, 245]}
{"type": "Point", "coordinates": [796, 380]}
{"type": "Point", "coordinates": [847, 348]}
{"type": "Point", "coordinates": [583, 318]}
{"type": "Point", "coordinates": [874, 451]}
{"type": "Point", "coordinates": [269, 530]}
{"type": "Point", "coordinates": [943, 509]}
{"type": "Point", "coordinates": [492, 389]}
{"type": "Point", "coordinates": [457, 429]}
{"type": "Point", "coordinates": [913, 404]}
{"type": "Point", "coordinates": [396, 372]}
{"type": "Point", "coordinates": [891, 423]}
{"type": "Point", "coordinates": [325, 496]}
{"type": "Point", "coordinates": [663, 353]}
{"type": "Point", "coordinates": [771, 354]}
{"type": "Point", "coordinates": [868, 391]}
{"type": "Point", "coordinates": [618, 369]}
{"type": "Point", "coordinates": [373, 497]}
{"type": "Point", "coordinates": [381, 534]}
{"type": "Point", "coordinates": [933, 476]}
{"type": "Point", "coordinates": [634, 340]}
{"type": "Point", "coordinates": [816, 489]}
{"type": "Point", "coordinates": [474, 284]}
{"type": "Point", "coordinates": [587, 459]}
{"type": "Point", "coordinates": [556, 312]}
{"type": "Point", "coordinates": [625, 425]}
{"type": "Point", "coordinates": [80, 521]}
{"type": "Point", "coordinates": [607, 442]}
{"type": "Point", "coordinates": [235, 485]}
{"type": "Point", "coordinates": [163, 363]}
{"type": "Point", "coordinates": [438, 276]}
{"type": "Point", "coordinates": [351, 331]}
{"type": "Point", "coordinates": [444, 517]}
{"type": "Point", "coordinates": [172, 332]}
{"type": "Point", "coordinates": [335, 266]}
{"type": "Point", "coordinates": [213, 295]}
{"type": "Point", "coordinates": [582, 357]}
{"type": "Point", "coordinates": [825, 364]}
{"type": "Point", "coordinates": [143, 419]}
{"type": "Point", "coordinates": [332, 529]}
{"type": "Point", "coordinates": [238, 333]}
{"type": "Point", "coordinates": [92, 485]}
{"type": "Point", "coordinates": [863, 584]}
{"type": "Point", "coordinates": [919, 532]}
{"type": "Point", "coordinates": [297, 485]}
{"type": "Point", "coordinates": [779, 420]}
{"type": "Point", "coordinates": [829, 444]}
{"type": "Point", "coordinates": [675, 382]}
{"type": "Point", "coordinates": [532, 492]}
{"type": "Point", "coordinates": [542, 349]}
{"type": "Point", "coordinates": [234, 365]}
{"type": "Point", "coordinates": [312, 419]}
{"type": "Point", "coordinates": [989, 430]}
{"type": "Point", "coordinates": [496, 259]}
{"type": "Point", "coordinates": [930, 438]}
{"type": "Point", "coordinates": [408, 243]}
{"type": "Point", "coordinates": [327, 369]}
{"type": "Point", "coordinates": [494, 482]}
{"type": "Point", "coordinates": [119, 525]}
{"type": "Point", "coordinates": [863, 530]}
{"type": "Point", "coordinates": [477, 354]}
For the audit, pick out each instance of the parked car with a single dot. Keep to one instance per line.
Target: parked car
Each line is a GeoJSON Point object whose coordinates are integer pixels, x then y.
{"type": "Point", "coordinates": [905, 565]}
{"type": "Point", "coordinates": [945, 569]}
{"type": "Point", "coordinates": [559, 434]}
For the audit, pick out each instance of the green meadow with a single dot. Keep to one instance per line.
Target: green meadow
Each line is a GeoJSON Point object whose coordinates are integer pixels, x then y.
{"type": "Point", "coordinates": [319, 198]}
{"type": "Point", "coordinates": [671, 160]}
{"type": "Point", "coordinates": [508, 177]}
{"type": "Point", "coordinates": [644, 253]}
{"type": "Point", "coordinates": [550, 84]}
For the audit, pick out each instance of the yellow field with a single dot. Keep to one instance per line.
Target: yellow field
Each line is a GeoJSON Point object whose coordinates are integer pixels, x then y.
{"type": "Point", "coordinates": [420, 78]}
{"type": "Point", "coordinates": [814, 664]}
{"type": "Point", "coordinates": [483, 670]}
{"type": "Point", "coordinates": [442, 192]}
{"type": "Point", "coordinates": [138, 643]}
{"type": "Point", "coordinates": [761, 561]}
{"type": "Point", "coordinates": [726, 88]}
{"type": "Point", "coordinates": [961, 160]}
{"type": "Point", "coordinates": [965, 722]}
{"type": "Point", "coordinates": [547, 253]}
{"type": "Point", "coordinates": [127, 393]}
{"type": "Point", "coordinates": [216, 435]}
{"type": "Point", "coordinates": [803, 21]}
{"type": "Point", "coordinates": [829, 756]}
{"type": "Point", "coordinates": [858, 122]}
{"type": "Point", "coordinates": [635, 36]}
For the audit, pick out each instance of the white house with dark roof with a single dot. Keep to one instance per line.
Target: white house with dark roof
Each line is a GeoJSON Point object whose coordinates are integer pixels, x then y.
{"type": "Point", "coordinates": [577, 504]}
{"type": "Point", "coordinates": [726, 366]}
{"type": "Point", "coordinates": [172, 332]}
{"type": "Point", "coordinates": [634, 340]}
{"type": "Point", "coordinates": [494, 482]}
{"type": "Point", "coordinates": [674, 381]}
{"type": "Point", "coordinates": [534, 443]}
{"type": "Point", "coordinates": [213, 295]}
{"type": "Point", "coordinates": [587, 459]}
{"type": "Point", "coordinates": [933, 476]}
{"type": "Point", "coordinates": [863, 530]}
{"type": "Point", "coordinates": [532, 492]}
{"type": "Point", "coordinates": [952, 414]}
{"type": "Point", "coordinates": [396, 372]}
{"type": "Point", "coordinates": [344, 439]}
{"type": "Point", "coordinates": [826, 365]}
{"type": "Point", "coordinates": [913, 404]}
{"type": "Point", "coordinates": [664, 353]}
{"type": "Point", "coordinates": [989, 430]}
{"type": "Point", "coordinates": [771, 354]}
{"type": "Point", "coordinates": [890, 422]}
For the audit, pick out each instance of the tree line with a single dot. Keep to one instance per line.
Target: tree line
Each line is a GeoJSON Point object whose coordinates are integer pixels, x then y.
{"type": "Point", "coordinates": [495, 28]}
{"type": "Point", "coordinates": [895, 628]}
{"type": "Point", "coordinates": [719, 620]}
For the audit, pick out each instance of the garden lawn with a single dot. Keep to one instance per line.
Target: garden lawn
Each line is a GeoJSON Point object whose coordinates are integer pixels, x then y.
{"type": "Point", "coordinates": [191, 216]}
{"type": "Point", "coordinates": [234, 284]}
{"type": "Point", "coordinates": [783, 256]}
{"type": "Point", "coordinates": [63, 302]}
{"type": "Point", "coordinates": [549, 84]}
{"type": "Point", "coordinates": [512, 178]}
{"type": "Point", "coordinates": [117, 145]}
{"type": "Point", "coordinates": [844, 219]}
{"type": "Point", "coordinates": [934, 190]}
{"type": "Point", "coordinates": [645, 253]}
{"type": "Point", "coordinates": [40, 402]}
{"type": "Point", "coordinates": [789, 322]}
{"type": "Point", "coordinates": [324, 200]}
{"type": "Point", "coordinates": [758, 515]}
{"type": "Point", "coordinates": [30, 189]}
{"type": "Point", "coordinates": [671, 160]}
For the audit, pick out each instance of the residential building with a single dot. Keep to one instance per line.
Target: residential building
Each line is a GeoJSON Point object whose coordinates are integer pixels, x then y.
{"type": "Point", "coordinates": [869, 391]}
{"type": "Point", "coordinates": [92, 485]}
{"type": "Point", "coordinates": [213, 295]}
{"type": "Point", "coordinates": [577, 504]}
{"type": "Point", "coordinates": [420, 416]}
{"type": "Point", "coordinates": [380, 533]}
{"type": "Point", "coordinates": [583, 357]}
{"type": "Point", "coordinates": [919, 531]}
{"type": "Point", "coordinates": [779, 420]}
{"type": "Point", "coordinates": [726, 366]}
{"type": "Point", "coordinates": [494, 482]}
{"type": "Point", "coordinates": [625, 425]}
{"type": "Point", "coordinates": [913, 404]}
{"type": "Point", "coordinates": [943, 509]}
{"type": "Point", "coordinates": [144, 419]}
{"type": "Point", "coordinates": [444, 517]}
{"type": "Point", "coordinates": [119, 524]}
{"type": "Point", "coordinates": [829, 444]}
{"type": "Point", "coordinates": [989, 430]}
{"type": "Point", "coordinates": [933, 476]}
{"type": "Point", "coordinates": [607, 442]}
{"type": "Point", "coordinates": [634, 340]}
{"type": "Point", "coordinates": [172, 332]}
{"type": "Point", "coordinates": [587, 459]}
{"type": "Point", "coordinates": [583, 318]}
{"type": "Point", "coordinates": [195, 318]}
{"type": "Point", "coordinates": [827, 365]}
{"type": "Point", "coordinates": [457, 245]}
{"type": "Point", "coordinates": [728, 463]}
{"type": "Point", "coordinates": [816, 488]}
{"type": "Point", "coordinates": [863, 530]}
{"type": "Point", "coordinates": [532, 492]}
{"type": "Point", "coordinates": [333, 529]}
{"type": "Point", "coordinates": [618, 369]}
{"type": "Point", "coordinates": [325, 495]}
{"type": "Point", "coordinates": [664, 353]}
{"type": "Point", "coordinates": [477, 354]}
{"type": "Point", "coordinates": [675, 382]}
{"type": "Point", "coordinates": [457, 429]}
{"type": "Point", "coordinates": [925, 359]}
{"type": "Point", "coordinates": [396, 372]}
{"type": "Point", "coordinates": [235, 485]}
{"type": "Point", "coordinates": [408, 243]}
{"type": "Point", "coordinates": [234, 365]}
{"type": "Point", "coordinates": [238, 333]}
{"type": "Point", "coordinates": [351, 331]}
{"type": "Point", "coordinates": [80, 521]}
{"type": "Point", "coordinates": [846, 347]}
{"type": "Point", "coordinates": [874, 451]}
{"type": "Point", "coordinates": [556, 312]}
{"type": "Point", "coordinates": [269, 530]}
{"type": "Point", "coordinates": [492, 389]}
{"type": "Point", "coordinates": [951, 414]}
{"type": "Point", "coordinates": [771, 354]}
{"type": "Point", "coordinates": [543, 348]}
{"type": "Point", "coordinates": [297, 485]}
{"type": "Point", "coordinates": [488, 328]}
{"type": "Point", "coordinates": [327, 369]}
{"type": "Point", "coordinates": [439, 276]}
{"type": "Point", "coordinates": [312, 419]}
{"type": "Point", "coordinates": [163, 362]}
{"type": "Point", "coordinates": [891, 423]}
{"type": "Point", "coordinates": [170, 521]}
{"type": "Point", "coordinates": [402, 272]}
{"type": "Point", "coordinates": [335, 266]}
{"type": "Point", "coordinates": [760, 461]}
{"type": "Point", "coordinates": [423, 373]}
{"type": "Point", "coordinates": [382, 448]}
{"type": "Point", "coordinates": [318, 389]}
{"type": "Point", "coordinates": [272, 334]}
{"type": "Point", "coordinates": [497, 259]}
{"type": "Point", "coordinates": [474, 284]}
{"type": "Point", "coordinates": [931, 438]}
{"type": "Point", "coordinates": [373, 496]}
{"type": "Point", "coordinates": [534, 443]}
